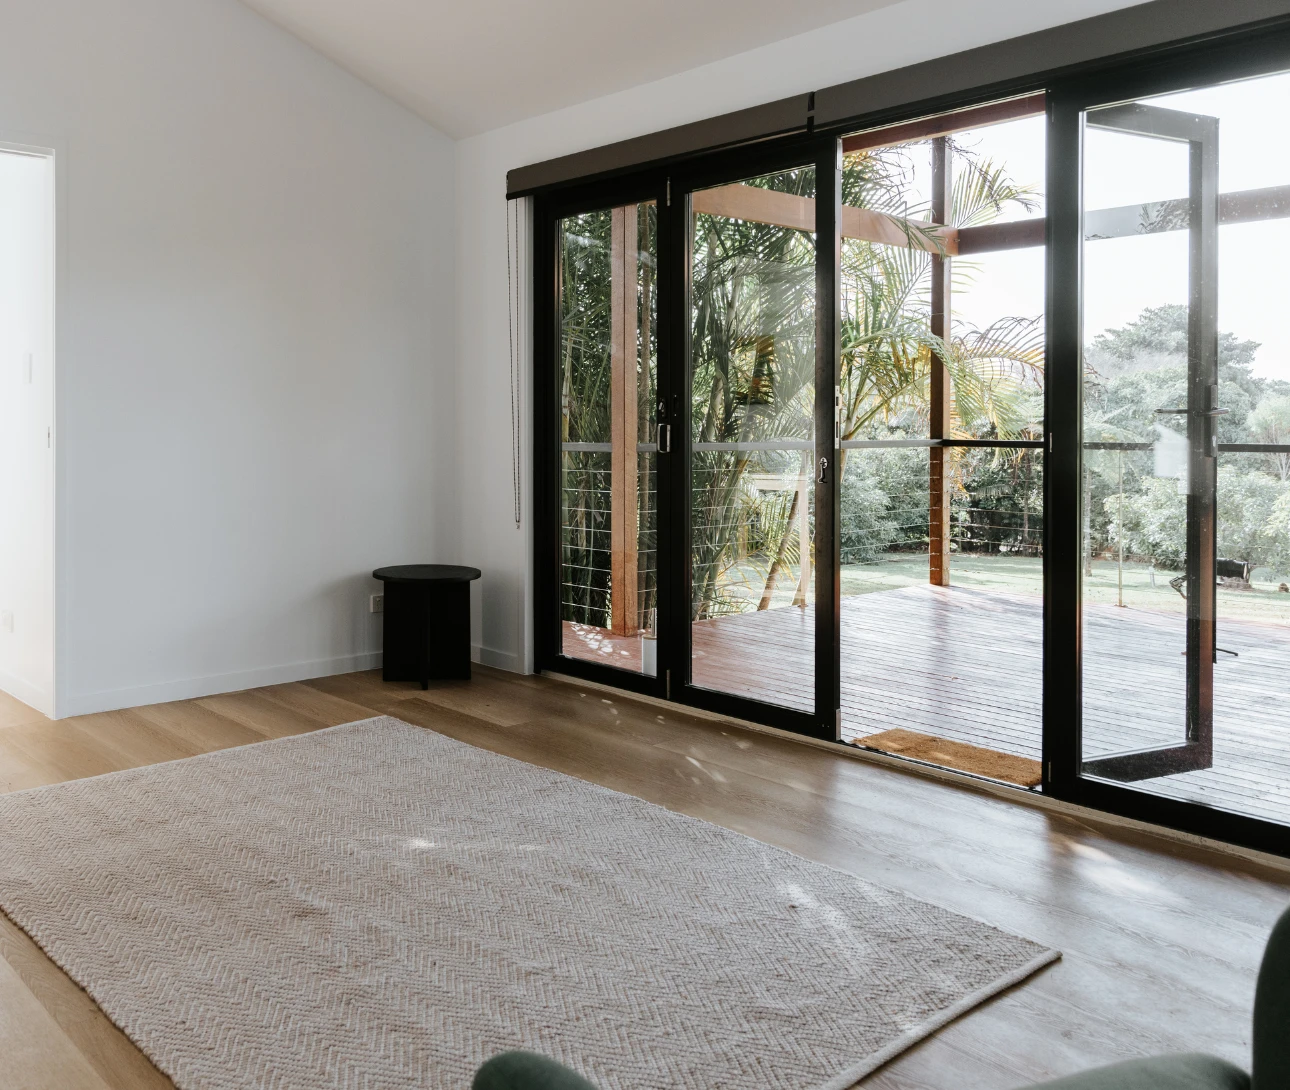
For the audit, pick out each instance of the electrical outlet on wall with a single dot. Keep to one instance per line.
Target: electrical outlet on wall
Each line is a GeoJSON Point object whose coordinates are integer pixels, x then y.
{"type": "Point", "coordinates": [376, 604]}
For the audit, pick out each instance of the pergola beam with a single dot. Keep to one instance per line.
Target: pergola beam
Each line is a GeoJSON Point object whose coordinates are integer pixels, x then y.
{"type": "Point", "coordinates": [756, 205]}
{"type": "Point", "coordinates": [746, 202]}
{"type": "Point", "coordinates": [976, 117]}
{"type": "Point", "coordinates": [1156, 217]}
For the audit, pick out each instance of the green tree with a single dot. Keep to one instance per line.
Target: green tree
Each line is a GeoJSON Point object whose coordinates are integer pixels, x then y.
{"type": "Point", "coordinates": [1270, 423]}
{"type": "Point", "coordinates": [1135, 369]}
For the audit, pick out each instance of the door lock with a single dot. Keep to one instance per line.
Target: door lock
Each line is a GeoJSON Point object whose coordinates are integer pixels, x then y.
{"type": "Point", "coordinates": [821, 477]}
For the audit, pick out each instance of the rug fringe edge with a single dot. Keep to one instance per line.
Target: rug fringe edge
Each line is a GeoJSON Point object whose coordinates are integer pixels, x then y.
{"type": "Point", "coordinates": [849, 1077]}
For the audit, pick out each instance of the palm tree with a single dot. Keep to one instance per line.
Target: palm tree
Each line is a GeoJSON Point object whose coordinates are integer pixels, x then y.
{"type": "Point", "coordinates": [753, 364]}
{"type": "Point", "coordinates": [888, 349]}
{"type": "Point", "coordinates": [753, 359]}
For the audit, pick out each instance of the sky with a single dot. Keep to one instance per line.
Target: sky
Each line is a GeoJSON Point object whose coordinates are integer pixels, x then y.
{"type": "Point", "coordinates": [1125, 275]}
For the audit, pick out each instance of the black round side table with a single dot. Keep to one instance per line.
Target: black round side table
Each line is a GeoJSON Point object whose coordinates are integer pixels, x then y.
{"type": "Point", "coordinates": [427, 622]}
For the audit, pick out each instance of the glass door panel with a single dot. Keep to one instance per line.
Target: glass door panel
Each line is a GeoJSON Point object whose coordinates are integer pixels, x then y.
{"type": "Point", "coordinates": [608, 444]}
{"type": "Point", "coordinates": [1139, 435]}
{"type": "Point", "coordinates": [1186, 560]}
{"type": "Point", "coordinates": [941, 433]}
{"type": "Point", "coordinates": [752, 440]}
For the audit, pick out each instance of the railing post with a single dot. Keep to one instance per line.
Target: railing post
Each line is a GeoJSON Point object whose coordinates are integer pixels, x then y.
{"type": "Point", "coordinates": [939, 386]}
{"type": "Point", "coordinates": [624, 422]}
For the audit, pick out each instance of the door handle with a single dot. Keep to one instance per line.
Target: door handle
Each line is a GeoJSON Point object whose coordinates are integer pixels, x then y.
{"type": "Point", "coordinates": [665, 438]}
{"type": "Point", "coordinates": [821, 477]}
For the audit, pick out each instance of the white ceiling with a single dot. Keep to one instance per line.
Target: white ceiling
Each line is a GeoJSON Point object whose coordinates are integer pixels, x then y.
{"type": "Point", "coordinates": [471, 65]}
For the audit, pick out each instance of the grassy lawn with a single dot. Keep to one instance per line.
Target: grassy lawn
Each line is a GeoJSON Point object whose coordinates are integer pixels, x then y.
{"type": "Point", "coordinates": [1015, 574]}
{"type": "Point", "coordinates": [1144, 588]}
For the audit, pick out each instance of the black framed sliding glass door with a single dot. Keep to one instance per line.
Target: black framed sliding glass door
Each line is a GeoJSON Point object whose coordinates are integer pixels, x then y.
{"type": "Point", "coordinates": [1149, 666]}
{"type": "Point", "coordinates": [751, 438]}
{"type": "Point", "coordinates": [600, 379]}
{"type": "Point", "coordinates": [678, 362]}
{"type": "Point", "coordinates": [964, 439]}
{"type": "Point", "coordinates": [1170, 270]}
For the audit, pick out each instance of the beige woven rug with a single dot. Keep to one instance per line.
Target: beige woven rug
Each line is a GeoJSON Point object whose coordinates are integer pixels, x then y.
{"type": "Point", "coordinates": [379, 906]}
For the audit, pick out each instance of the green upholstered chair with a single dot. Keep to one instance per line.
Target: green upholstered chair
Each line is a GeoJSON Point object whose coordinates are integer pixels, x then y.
{"type": "Point", "coordinates": [1194, 1071]}
{"type": "Point", "coordinates": [1191, 1071]}
{"type": "Point", "coordinates": [527, 1071]}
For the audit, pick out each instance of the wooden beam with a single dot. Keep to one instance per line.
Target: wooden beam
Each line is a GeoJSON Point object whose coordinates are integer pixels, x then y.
{"type": "Point", "coordinates": [1155, 217]}
{"type": "Point", "coordinates": [991, 237]}
{"type": "Point", "coordinates": [1243, 206]}
{"type": "Point", "coordinates": [624, 365]}
{"type": "Point", "coordinates": [1251, 205]}
{"type": "Point", "coordinates": [867, 226]}
{"type": "Point", "coordinates": [940, 395]}
{"type": "Point", "coordinates": [755, 205]}
{"type": "Point", "coordinates": [977, 117]}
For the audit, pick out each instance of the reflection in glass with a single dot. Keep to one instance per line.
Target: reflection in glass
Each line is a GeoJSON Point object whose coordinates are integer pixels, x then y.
{"type": "Point", "coordinates": [608, 449]}
{"type": "Point", "coordinates": [1135, 689]}
{"type": "Point", "coordinates": [752, 441]}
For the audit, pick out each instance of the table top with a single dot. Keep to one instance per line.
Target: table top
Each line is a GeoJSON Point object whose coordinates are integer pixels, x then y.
{"type": "Point", "coordinates": [426, 573]}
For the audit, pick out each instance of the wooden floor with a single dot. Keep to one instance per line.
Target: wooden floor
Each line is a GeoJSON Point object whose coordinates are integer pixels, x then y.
{"type": "Point", "coordinates": [1161, 942]}
{"type": "Point", "coordinates": [967, 665]}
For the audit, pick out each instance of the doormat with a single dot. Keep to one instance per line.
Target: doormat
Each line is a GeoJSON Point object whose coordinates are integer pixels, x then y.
{"type": "Point", "coordinates": [959, 756]}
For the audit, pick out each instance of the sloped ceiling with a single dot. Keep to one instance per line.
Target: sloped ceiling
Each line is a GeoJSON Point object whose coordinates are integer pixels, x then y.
{"type": "Point", "coordinates": [472, 65]}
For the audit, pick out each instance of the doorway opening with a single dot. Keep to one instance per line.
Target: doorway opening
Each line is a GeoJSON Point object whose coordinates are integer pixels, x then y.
{"type": "Point", "coordinates": [27, 426]}
{"type": "Point", "coordinates": [941, 426]}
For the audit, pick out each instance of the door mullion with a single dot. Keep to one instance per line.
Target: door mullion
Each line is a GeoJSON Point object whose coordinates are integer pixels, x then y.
{"type": "Point", "coordinates": [1063, 456]}
{"type": "Point", "coordinates": [1202, 543]}
{"type": "Point", "coordinates": [546, 461]}
{"type": "Point", "coordinates": [674, 415]}
{"type": "Point", "coordinates": [828, 486]}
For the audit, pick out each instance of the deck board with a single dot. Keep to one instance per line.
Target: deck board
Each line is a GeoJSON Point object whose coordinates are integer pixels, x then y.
{"type": "Point", "coordinates": [967, 665]}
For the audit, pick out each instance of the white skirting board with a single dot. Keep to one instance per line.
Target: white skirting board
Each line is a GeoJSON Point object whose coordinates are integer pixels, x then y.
{"type": "Point", "coordinates": [190, 688]}
{"type": "Point", "coordinates": [29, 694]}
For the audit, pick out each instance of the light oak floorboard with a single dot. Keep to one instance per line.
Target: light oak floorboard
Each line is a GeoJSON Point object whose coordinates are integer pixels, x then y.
{"type": "Point", "coordinates": [1161, 941]}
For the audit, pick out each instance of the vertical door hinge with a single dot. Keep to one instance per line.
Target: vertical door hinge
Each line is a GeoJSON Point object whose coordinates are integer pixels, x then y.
{"type": "Point", "coordinates": [669, 193]}
{"type": "Point", "coordinates": [49, 437]}
{"type": "Point", "coordinates": [837, 417]}
{"type": "Point", "coordinates": [667, 675]}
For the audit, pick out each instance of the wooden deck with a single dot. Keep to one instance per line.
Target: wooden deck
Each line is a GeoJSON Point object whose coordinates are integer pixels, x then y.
{"type": "Point", "coordinates": [966, 665]}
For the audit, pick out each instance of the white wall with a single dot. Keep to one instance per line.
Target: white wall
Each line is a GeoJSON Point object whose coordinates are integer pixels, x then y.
{"type": "Point", "coordinates": [254, 347]}
{"type": "Point", "coordinates": [907, 33]}
{"type": "Point", "coordinates": [26, 415]}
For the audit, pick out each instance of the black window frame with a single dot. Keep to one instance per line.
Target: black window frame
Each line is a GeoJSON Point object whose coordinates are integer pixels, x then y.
{"type": "Point", "coordinates": [1237, 53]}
{"type": "Point", "coordinates": [1261, 51]}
